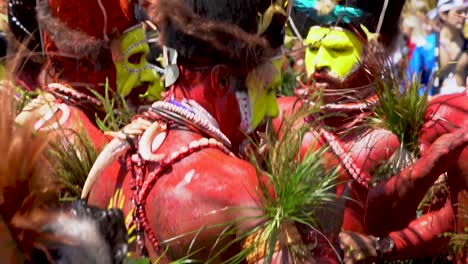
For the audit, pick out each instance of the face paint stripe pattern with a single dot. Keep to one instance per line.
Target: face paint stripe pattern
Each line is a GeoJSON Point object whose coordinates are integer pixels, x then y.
{"type": "Point", "coordinates": [245, 110]}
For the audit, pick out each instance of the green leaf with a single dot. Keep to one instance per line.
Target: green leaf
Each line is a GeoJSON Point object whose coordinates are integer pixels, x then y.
{"type": "Point", "coordinates": [400, 108]}
{"type": "Point", "coordinates": [301, 186]}
{"type": "Point", "coordinates": [137, 261]}
{"type": "Point", "coordinates": [118, 114]}
{"type": "Point", "coordinates": [266, 18]}
{"type": "Point", "coordinates": [71, 158]}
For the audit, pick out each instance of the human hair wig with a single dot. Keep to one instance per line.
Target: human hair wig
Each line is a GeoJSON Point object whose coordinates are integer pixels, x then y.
{"type": "Point", "coordinates": [208, 32]}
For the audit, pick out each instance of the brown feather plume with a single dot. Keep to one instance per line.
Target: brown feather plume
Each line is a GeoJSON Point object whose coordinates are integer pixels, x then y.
{"type": "Point", "coordinates": [25, 188]}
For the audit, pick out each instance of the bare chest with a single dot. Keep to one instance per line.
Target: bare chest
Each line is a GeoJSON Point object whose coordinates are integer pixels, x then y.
{"type": "Point", "coordinates": [367, 151]}
{"type": "Point", "coordinates": [449, 53]}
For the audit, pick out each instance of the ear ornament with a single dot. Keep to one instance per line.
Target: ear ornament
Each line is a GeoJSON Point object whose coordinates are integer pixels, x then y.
{"type": "Point", "coordinates": [171, 70]}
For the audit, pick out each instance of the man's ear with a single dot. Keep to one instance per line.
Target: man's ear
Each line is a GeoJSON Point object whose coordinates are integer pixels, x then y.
{"type": "Point", "coordinates": [443, 15]}
{"type": "Point", "coordinates": [220, 80]}
{"type": "Point", "coordinates": [117, 55]}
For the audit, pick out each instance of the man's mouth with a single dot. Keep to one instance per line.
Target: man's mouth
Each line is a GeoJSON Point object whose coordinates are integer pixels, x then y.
{"type": "Point", "coordinates": [260, 130]}
{"type": "Point", "coordinates": [330, 87]}
{"type": "Point", "coordinates": [140, 89]}
{"type": "Point", "coordinates": [264, 123]}
{"type": "Point", "coordinates": [134, 99]}
{"type": "Point", "coordinates": [324, 81]}
{"type": "Point", "coordinates": [322, 85]}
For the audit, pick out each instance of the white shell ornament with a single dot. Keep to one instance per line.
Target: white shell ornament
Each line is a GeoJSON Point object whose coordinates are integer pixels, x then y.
{"type": "Point", "coordinates": [151, 141]}
{"type": "Point", "coordinates": [171, 70]}
{"type": "Point", "coordinates": [171, 74]}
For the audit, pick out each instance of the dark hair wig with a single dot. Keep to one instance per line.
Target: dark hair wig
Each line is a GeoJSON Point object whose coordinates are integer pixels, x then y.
{"type": "Point", "coordinates": [208, 32]}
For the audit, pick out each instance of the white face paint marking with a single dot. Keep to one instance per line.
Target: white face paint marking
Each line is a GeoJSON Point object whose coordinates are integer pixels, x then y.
{"type": "Point", "coordinates": [180, 190]}
{"type": "Point", "coordinates": [188, 177]}
{"type": "Point", "coordinates": [246, 111]}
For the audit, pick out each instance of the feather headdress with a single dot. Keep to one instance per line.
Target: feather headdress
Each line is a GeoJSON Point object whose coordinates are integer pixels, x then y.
{"type": "Point", "coordinates": [31, 226]}
{"type": "Point", "coordinates": [208, 32]}
{"type": "Point", "coordinates": [377, 16]}
{"type": "Point", "coordinates": [24, 182]}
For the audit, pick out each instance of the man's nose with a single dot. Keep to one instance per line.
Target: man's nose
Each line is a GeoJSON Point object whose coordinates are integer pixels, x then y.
{"type": "Point", "coordinates": [323, 59]}
{"type": "Point", "coordinates": [272, 106]}
{"type": "Point", "coordinates": [149, 74]}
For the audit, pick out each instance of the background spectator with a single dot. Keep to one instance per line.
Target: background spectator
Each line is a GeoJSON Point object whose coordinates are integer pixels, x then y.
{"type": "Point", "coordinates": [443, 57]}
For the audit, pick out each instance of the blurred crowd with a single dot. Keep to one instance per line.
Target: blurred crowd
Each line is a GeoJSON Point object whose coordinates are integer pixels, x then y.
{"type": "Point", "coordinates": [434, 44]}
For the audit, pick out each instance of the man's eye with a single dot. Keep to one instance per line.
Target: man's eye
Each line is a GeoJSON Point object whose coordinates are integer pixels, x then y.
{"type": "Point", "coordinates": [270, 90]}
{"type": "Point", "coordinates": [313, 49]}
{"type": "Point", "coordinates": [136, 58]}
{"type": "Point", "coordinates": [339, 49]}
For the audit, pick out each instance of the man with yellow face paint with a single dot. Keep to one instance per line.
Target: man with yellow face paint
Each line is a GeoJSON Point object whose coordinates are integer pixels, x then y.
{"type": "Point", "coordinates": [332, 51]}
{"type": "Point", "coordinates": [133, 70]}
{"type": "Point", "coordinates": [333, 57]}
{"type": "Point", "coordinates": [261, 83]}
{"type": "Point", "coordinates": [222, 74]}
{"type": "Point", "coordinates": [334, 39]}
{"type": "Point", "coordinates": [85, 53]}
{"type": "Point", "coordinates": [341, 41]}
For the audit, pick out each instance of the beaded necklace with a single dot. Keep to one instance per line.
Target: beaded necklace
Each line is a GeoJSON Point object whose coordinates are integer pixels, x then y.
{"type": "Point", "coordinates": [336, 146]}
{"type": "Point", "coordinates": [345, 158]}
{"type": "Point", "coordinates": [52, 100]}
{"type": "Point", "coordinates": [187, 113]}
{"type": "Point", "coordinates": [360, 176]}
{"type": "Point", "coordinates": [66, 93]}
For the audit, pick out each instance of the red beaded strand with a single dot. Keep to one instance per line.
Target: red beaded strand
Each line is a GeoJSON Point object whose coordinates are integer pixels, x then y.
{"type": "Point", "coordinates": [141, 189]}
{"type": "Point", "coordinates": [60, 89]}
{"type": "Point", "coordinates": [362, 177]}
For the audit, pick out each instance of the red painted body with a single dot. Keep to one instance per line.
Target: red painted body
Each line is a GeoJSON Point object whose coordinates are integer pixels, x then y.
{"type": "Point", "coordinates": [401, 194]}
{"type": "Point", "coordinates": [390, 207]}
{"type": "Point", "coordinates": [79, 120]}
{"type": "Point", "coordinates": [368, 148]}
{"type": "Point", "coordinates": [204, 189]}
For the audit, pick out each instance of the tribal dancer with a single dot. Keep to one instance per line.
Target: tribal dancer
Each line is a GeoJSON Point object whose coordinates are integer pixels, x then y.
{"type": "Point", "coordinates": [442, 59]}
{"type": "Point", "coordinates": [342, 39]}
{"type": "Point", "coordinates": [32, 229]}
{"type": "Point", "coordinates": [87, 43]}
{"type": "Point", "coordinates": [443, 150]}
{"type": "Point", "coordinates": [181, 159]}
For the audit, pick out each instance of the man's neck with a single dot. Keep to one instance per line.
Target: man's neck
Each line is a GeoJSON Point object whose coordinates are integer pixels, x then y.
{"type": "Point", "coordinates": [195, 93]}
{"type": "Point", "coordinates": [450, 34]}
{"type": "Point", "coordinates": [80, 81]}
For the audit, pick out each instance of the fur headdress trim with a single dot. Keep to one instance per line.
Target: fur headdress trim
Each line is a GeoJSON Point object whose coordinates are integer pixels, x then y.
{"type": "Point", "coordinates": [202, 42]}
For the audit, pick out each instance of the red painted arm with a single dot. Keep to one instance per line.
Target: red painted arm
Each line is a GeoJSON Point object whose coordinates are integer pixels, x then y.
{"type": "Point", "coordinates": [444, 114]}
{"type": "Point", "coordinates": [393, 203]}
{"type": "Point", "coordinates": [422, 238]}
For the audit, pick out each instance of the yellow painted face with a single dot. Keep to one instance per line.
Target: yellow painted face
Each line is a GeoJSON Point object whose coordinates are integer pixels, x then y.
{"type": "Point", "coordinates": [335, 49]}
{"type": "Point", "coordinates": [132, 67]}
{"type": "Point", "coordinates": [261, 84]}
